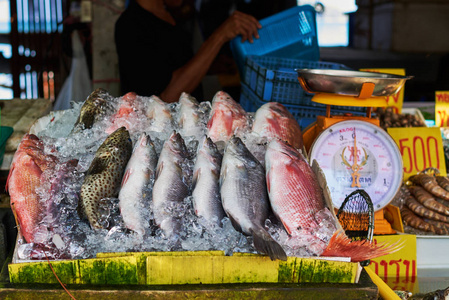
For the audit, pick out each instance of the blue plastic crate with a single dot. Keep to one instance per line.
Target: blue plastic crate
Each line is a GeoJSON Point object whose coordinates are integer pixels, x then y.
{"type": "Point", "coordinates": [274, 78]}
{"type": "Point", "coordinates": [291, 33]}
{"type": "Point", "coordinates": [305, 115]}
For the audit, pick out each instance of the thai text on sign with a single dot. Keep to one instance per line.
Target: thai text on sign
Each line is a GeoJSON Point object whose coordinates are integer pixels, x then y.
{"type": "Point", "coordinates": [442, 108]}
{"type": "Point", "coordinates": [397, 269]}
{"type": "Point", "coordinates": [421, 148]}
{"type": "Point", "coordinates": [395, 101]}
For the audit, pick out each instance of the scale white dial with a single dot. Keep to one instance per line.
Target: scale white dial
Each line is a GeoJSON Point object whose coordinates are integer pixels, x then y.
{"type": "Point", "coordinates": [359, 155]}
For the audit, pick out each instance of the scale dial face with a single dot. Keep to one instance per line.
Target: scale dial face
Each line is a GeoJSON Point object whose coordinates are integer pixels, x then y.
{"type": "Point", "coordinates": [359, 155]}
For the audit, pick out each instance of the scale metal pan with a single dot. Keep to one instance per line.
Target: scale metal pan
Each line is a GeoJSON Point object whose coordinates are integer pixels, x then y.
{"type": "Point", "coordinates": [349, 83]}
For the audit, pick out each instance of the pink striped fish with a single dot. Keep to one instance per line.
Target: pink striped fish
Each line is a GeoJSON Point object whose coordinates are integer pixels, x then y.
{"type": "Point", "coordinates": [273, 120]}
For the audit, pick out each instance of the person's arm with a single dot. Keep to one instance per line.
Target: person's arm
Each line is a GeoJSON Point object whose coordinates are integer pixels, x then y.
{"type": "Point", "coordinates": [189, 76]}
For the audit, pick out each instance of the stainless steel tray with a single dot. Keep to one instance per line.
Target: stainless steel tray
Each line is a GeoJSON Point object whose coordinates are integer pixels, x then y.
{"type": "Point", "coordinates": [349, 83]}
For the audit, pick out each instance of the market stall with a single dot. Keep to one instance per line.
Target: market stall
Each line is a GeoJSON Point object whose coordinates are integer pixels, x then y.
{"type": "Point", "coordinates": [129, 198]}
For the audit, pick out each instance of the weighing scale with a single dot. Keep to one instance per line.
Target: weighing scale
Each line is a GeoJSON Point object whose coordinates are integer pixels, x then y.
{"type": "Point", "coordinates": [354, 152]}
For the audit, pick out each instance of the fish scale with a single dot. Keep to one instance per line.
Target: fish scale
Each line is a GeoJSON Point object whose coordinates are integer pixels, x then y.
{"type": "Point", "coordinates": [104, 174]}
{"type": "Point", "coordinates": [28, 164]}
{"type": "Point", "coordinates": [206, 191]}
{"type": "Point", "coordinates": [299, 198]}
{"type": "Point", "coordinates": [273, 120]}
{"type": "Point", "coordinates": [170, 187]}
{"type": "Point", "coordinates": [244, 196]}
{"type": "Point", "coordinates": [134, 198]}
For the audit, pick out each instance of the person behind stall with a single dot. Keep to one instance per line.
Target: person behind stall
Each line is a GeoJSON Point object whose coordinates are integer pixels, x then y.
{"type": "Point", "coordinates": [155, 53]}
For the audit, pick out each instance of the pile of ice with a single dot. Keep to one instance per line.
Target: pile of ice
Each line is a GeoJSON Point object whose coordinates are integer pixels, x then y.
{"type": "Point", "coordinates": [63, 234]}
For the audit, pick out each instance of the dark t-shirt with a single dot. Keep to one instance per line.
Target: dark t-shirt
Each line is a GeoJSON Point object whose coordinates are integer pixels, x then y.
{"type": "Point", "coordinates": [149, 50]}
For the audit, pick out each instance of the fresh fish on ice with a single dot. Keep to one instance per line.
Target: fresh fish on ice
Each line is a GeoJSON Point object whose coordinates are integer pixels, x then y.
{"type": "Point", "coordinates": [127, 113]}
{"type": "Point", "coordinates": [206, 190]}
{"type": "Point", "coordinates": [105, 174]}
{"type": "Point", "coordinates": [273, 120]}
{"type": "Point", "coordinates": [159, 115]}
{"type": "Point", "coordinates": [135, 192]}
{"type": "Point", "coordinates": [298, 202]}
{"type": "Point", "coordinates": [171, 185]}
{"type": "Point", "coordinates": [24, 178]}
{"type": "Point", "coordinates": [93, 109]}
{"type": "Point", "coordinates": [244, 196]}
{"type": "Point", "coordinates": [228, 118]}
{"type": "Point", "coordinates": [190, 117]}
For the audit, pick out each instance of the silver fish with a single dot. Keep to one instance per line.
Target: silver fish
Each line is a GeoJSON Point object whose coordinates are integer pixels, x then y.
{"type": "Point", "coordinates": [159, 115]}
{"type": "Point", "coordinates": [104, 174]}
{"type": "Point", "coordinates": [170, 187]}
{"type": "Point", "coordinates": [244, 195]}
{"type": "Point", "coordinates": [135, 192]}
{"type": "Point", "coordinates": [190, 116]}
{"type": "Point", "coordinates": [206, 190]}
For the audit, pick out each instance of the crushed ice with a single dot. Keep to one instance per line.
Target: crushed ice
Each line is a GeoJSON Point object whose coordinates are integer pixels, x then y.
{"type": "Point", "coordinates": [64, 234]}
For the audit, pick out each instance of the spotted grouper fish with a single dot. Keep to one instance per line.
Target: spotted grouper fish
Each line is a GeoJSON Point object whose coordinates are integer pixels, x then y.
{"type": "Point", "coordinates": [105, 174]}
{"type": "Point", "coordinates": [244, 196]}
{"type": "Point", "coordinates": [273, 120]}
{"type": "Point", "coordinates": [93, 108]}
{"type": "Point", "coordinates": [171, 185]}
{"type": "Point", "coordinates": [228, 118]}
{"type": "Point", "coordinates": [24, 177]}
{"type": "Point", "coordinates": [135, 193]}
{"type": "Point", "coordinates": [298, 201]}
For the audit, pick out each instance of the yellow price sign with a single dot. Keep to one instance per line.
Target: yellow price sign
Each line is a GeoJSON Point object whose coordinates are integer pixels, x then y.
{"type": "Point", "coordinates": [397, 269]}
{"type": "Point", "coordinates": [420, 147]}
{"type": "Point", "coordinates": [397, 99]}
{"type": "Point", "coordinates": [442, 108]}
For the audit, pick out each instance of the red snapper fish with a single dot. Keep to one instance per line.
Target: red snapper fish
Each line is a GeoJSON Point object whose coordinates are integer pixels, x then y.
{"type": "Point", "coordinates": [28, 164]}
{"type": "Point", "coordinates": [273, 120]}
{"type": "Point", "coordinates": [297, 200]}
{"type": "Point", "coordinates": [228, 118]}
{"type": "Point", "coordinates": [125, 113]}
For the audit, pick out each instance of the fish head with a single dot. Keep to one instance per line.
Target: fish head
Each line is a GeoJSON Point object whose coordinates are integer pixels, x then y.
{"type": "Point", "coordinates": [129, 97]}
{"type": "Point", "coordinates": [157, 108]}
{"type": "Point", "coordinates": [117, 142]}
{"type": "Point", "coordinates": [176, 144]}
{"type": "Point", "coordinates": [188, 100]}
{"type": "Point", "coordinates": [277, 145]}
{"type": "Point", "coordinates": [94, 105]}
{"type": "Point", "coordinates": [221, 96]}
{"type": "Point", "coordinates": [277, 107]}
{"type": "Point", "coordinates": [235, 147]}
{"type": "Point", "coordinates": [209, 148]}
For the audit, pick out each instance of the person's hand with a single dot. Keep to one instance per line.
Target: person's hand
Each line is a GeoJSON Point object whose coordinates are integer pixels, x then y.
{"type": "Point", "coordinates": [240, 23]}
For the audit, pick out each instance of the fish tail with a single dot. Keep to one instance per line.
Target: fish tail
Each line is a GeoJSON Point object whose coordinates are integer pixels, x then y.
{"type": "Point", "coordinates": [340, 245]}
{"type": "Point", "coordinates": [264, 243]}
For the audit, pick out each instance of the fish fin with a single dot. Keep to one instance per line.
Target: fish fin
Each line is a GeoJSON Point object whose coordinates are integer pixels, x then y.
{"type": "Point", "coordinates": [9, 177]}
{"type": "Point", "coordinates": [126, 176]}
{"type": "Point", "coordinates": [341, 246]}
{"type": "Point", "coordinates": [268, 182]}
{"type": "Point", "coordinates": [235, 224]}
{"type": "Point", "coordinates": [222, 178]}
{"type": "Point", "coordinates": [97, 166]}
{"type": "Point", "coordinates": [264, 243]}
{"type": "Point", "coordinates": [160, 167]}
{"type": "Point", "coordinates": [195, 177]}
